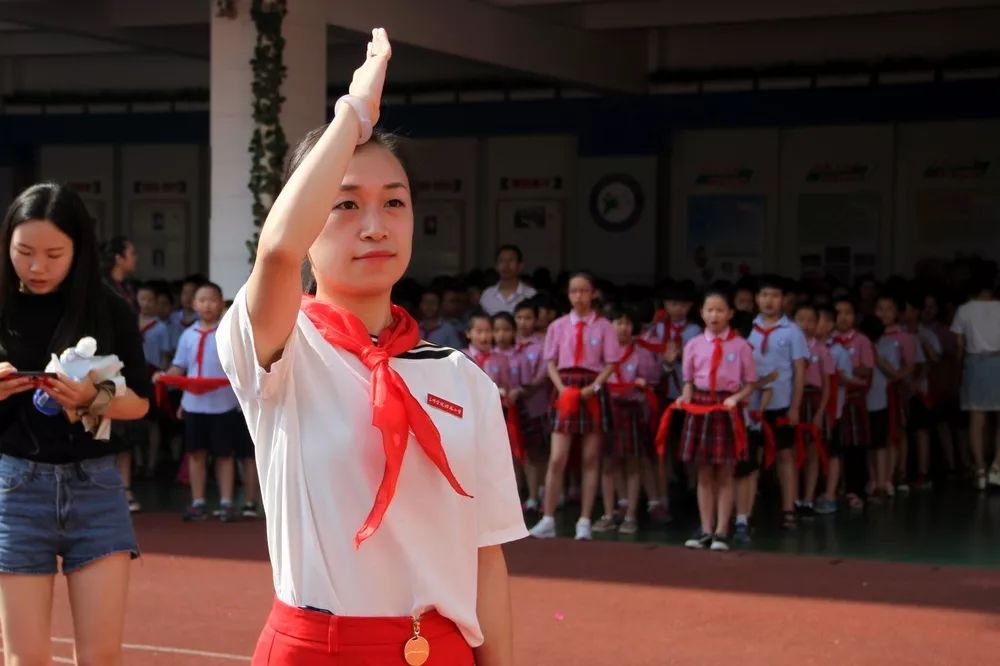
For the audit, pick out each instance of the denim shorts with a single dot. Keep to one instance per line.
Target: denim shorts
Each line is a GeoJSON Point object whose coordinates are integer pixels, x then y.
{"type": "Point", "coordinates": [76, 511]}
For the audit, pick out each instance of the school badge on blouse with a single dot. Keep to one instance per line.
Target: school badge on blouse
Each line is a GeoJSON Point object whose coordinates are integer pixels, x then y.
{"type": "Point", "coordinates": [417, 650]}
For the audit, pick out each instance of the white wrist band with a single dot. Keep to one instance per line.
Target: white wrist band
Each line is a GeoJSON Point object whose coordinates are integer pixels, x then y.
{"type": "Point", "coordinates": [359, 108]}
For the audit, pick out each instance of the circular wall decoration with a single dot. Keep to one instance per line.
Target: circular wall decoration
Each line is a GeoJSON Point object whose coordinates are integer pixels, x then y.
{"type": "Point", "coordinates": [616, 202]}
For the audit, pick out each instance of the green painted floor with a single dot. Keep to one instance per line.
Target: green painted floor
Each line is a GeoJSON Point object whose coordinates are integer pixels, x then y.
{"type": "Point", "coordinates": [950, 525]}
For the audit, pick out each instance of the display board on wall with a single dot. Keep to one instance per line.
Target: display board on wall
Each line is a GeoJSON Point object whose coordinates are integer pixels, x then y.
{"type": "Point", "coordinates": [723, 185]}
{"type": "Point", "coordinates": [89, 171]}
{"type": "Point", "coordinates": [949, 195]}
{"type": "Point", "coordinates": [836, 203]}
{"type": "Point", "coordinates": [443, 177]}
{"type": "Point", "coordinates": [617, 210]}
{"type": "Point", "coordinates": [531, 183]}
{"type": "Point", "coordinates": [161, 202]}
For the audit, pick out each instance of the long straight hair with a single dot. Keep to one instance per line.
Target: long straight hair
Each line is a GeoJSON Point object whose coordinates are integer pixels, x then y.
{"type": "Point", "coordinates": [85, 310]}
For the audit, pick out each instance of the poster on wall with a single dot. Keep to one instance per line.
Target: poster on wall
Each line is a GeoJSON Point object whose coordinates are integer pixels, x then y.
{"type": "Point", "coordinates": [725, 235]}
{"type": "Point", "coordinates": [438, 238]}
{"type": "Point", "coordinates": [535, 225]}
{"type": "Point", "coordinates": [955, 222]}
{"type": "Point", "coordinates": [838, 233]}
{"type": "Point", "coordinates": [159, 230]}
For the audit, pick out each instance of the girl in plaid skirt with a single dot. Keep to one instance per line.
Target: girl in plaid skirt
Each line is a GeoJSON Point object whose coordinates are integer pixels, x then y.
{"type": "Point", "coordinates": [580, 351]}
{"type": "Point", "coordinates": [719, 371]}
{"type": "Point", "coordinates": [634, 405]}
{"type": "Point", "coordinates": [815, 398]}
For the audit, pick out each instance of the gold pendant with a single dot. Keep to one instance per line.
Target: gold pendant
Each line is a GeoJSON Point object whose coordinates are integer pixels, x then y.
{"type": "Point", "coordinates": [417, 650]}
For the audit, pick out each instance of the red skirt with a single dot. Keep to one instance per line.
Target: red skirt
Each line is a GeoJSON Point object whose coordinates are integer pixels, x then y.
{"type": "Point", "coordinates": [300, 637]}
{"type": "Point", "coordinates": [709, 439]}
{"type": "Point", "coordinates": [583, 423]}
{"type": "Point", "coordinates": [630, 435]}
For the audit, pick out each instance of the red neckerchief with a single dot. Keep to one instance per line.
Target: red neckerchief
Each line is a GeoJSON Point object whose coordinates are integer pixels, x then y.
{"type": "Point", "coordinates": [578, 349]}
{"type": "Point", "coordinates": [625, 356]}
{"type": "Point", "coordinates": [713, 371]}
{"type": "Point", "coordinates": [675, 333]}
{"type": "Point", "coordinates": [395, 412]}
{"type": "Point", "coordinates": [845, 339]}
{"type": "Point", "coordinates": [480, 358]}
{"type": "Point", "coordinates": [200, 355]}
{"type": "Point", "coordinates": [766, 333]}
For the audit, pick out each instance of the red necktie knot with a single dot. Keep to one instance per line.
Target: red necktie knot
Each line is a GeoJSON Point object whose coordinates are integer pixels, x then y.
{"type": "Point", "coordinates": [373, 356]}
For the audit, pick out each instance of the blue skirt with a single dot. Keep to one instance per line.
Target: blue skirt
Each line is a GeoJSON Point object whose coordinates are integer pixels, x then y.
{"type": "Point", "coordinates": [981, 383]}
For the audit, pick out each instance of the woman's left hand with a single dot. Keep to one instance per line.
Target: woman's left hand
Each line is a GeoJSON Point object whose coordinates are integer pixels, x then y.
{"type": "Point", "coordinates": [69, 393]}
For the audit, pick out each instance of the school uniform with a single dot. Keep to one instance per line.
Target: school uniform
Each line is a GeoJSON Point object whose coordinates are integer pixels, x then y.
{"type": "Point", "coordinates": [534, 404]}
{"type": "Point", "coordinates": [717, 366]}
{"type": "Point", "coordinates": [212, 420]}
{"type": "Point", "coordinates": [156, 343]}
{"type": "Point", "coordinates": [855, 422]}
{"type": "Point", "coordinates": [322, 463]}
{"type": "Point", "coordinates": [655, 339]}
{"type": "Point", "coordinates": [775, 347]}
{"type": "Point", "coordinates": [819, 368]}
{"type": "Point", "coordinates": [179, 322]}
{"type": "Point", "coordinates": [922, 415]}
{"type": "Point", "coordinates": [978, 322]}
{"type": "Point", "coordinates": [581, 348]}
{"type": "Point", "coordinates": [494, 364]}
{"type": "Point", "coordinates": [633, 408]}
{"type": "Point", "coordinates": [844, 369]}
{"type": "Point", "coordinates": [886, 400]}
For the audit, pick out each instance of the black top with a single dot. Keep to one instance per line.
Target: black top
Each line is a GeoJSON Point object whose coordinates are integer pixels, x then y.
{"type": "Point", "coordinates": [24, 431]}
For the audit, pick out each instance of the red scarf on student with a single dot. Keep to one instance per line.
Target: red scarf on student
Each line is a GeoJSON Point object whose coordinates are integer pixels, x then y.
{"type": "Point", "coordinates": [196, 385]}
{"type": "Point", "coordinates": [395, 412]}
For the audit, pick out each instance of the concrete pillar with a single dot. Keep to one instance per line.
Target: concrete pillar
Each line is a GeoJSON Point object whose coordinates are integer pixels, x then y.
{"type": "Point", "coordinates": [231, 123]}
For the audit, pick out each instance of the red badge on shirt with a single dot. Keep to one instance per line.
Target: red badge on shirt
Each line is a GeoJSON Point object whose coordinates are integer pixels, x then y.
{"type": "Point", "coordinates": [445, 406]}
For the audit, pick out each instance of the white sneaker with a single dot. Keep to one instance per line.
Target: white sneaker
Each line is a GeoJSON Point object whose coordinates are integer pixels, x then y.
{"type": "Point", "coordinates": [583, 532]}
{"type": "Point", "coordinates": [531, 505]}
{"type": "Point", "coordinates": [980, 479]}
{"type": "Point", "coordinates": [994, 477]}
{"type": "Point", "coordinates": [544, 528]}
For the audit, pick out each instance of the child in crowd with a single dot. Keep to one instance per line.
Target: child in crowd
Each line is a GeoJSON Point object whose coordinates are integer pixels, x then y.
{"type": "Point", "coordinates": [718, 371]}
{"type": "Point", "coordinates": [922, 417]}
{"type": "Point", "coordinates": [857, 434]}
{"type": "Point", "coordinates": [815, 427]}
{"type": "Point", "coordinates": [580, 350]}
{"type": "Point", "coordinates": [633, 407]}
{"type": "Point", "coordinates": [480, 350]}
{"type": "Point", "coordinates": [548, 312]}
{"type": "Point", "coordinates": [213, 423]}
{"type": "Point", "coordinates": [433, 327]}
{"type": "Point", "coordinates": [840, 381]}
{"type": "Point", "coordinates": [780, 346]}
{"type": "Point", "coordinates": [895, 358]}
{"type": "Point", "coordinates": [531, 398]}
{"type": "Point", "coordinates": [158, 348]}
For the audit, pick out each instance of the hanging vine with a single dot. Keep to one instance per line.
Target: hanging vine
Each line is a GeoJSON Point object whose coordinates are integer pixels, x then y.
{"type": "Point", "coordinates": [268, 146]}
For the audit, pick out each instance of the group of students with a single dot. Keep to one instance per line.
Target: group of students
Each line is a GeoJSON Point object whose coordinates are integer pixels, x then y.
{"type": "Point", "coordinates": [194, 403]}
{"type": "Point", "coordinates": [841, 391]}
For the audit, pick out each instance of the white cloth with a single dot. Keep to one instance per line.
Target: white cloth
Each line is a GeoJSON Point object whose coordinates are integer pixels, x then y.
{"type": "Point", "coordinates": [492, 301]}
{"type": "Point", "coordinates": [978, 322]}
{"type": "Point", "coordinates": [321, 461]}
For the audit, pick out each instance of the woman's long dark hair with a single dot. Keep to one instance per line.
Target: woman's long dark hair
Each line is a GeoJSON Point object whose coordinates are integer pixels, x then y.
{"type": "Point", "coordinates": [86, 311]}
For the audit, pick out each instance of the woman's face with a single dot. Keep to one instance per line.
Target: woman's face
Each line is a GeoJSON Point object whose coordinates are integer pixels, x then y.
{"type": "Point", "coordinates": [42, 255]}
{"type": "Point", "coordinates": [365, 246]}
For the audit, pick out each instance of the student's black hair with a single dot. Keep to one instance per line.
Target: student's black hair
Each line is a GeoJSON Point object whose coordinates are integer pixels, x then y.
{"type": "Point", "coordinates": [742, 323]}
{"type": "Point", "coordinates": [683, 291]}
{"type": "Point", "coordinates": [721, 290]}
{"type": "Point", "coordinates": [479, 313]}
{"type": "Point", "coordinates": [629, 311]}
{"type": "Point", "coordinates": [746, 283]}
{"type": "Point", "coordinates": [871, 327]}
{"type": "Point", "coordinates": [848, 300]}
{"type": "Point", "coordinates": [300, 152]}
{"type": "Point", "coordinates": [195, 279]}
{"type": "Point", "coordinates": [586, 275]}
{"type": "Point", "coordinates": [511, 248]}
{"type": "Point", "coordinates": [528, 304]}
{"type": "Point", "coordinates": [771, 281]}
{"type": "Point", "coordinates": [86, 298]}
{"type": "Point", "coordinates": [211, 285]}
{"type": "Point", "coordinates": [145, 286]}
{"type": "Point", "coordinates": [806, 305]}
{"type": "Point", "coordinates": [827, 310]}
{"type": "Point", "coordinates": [544, 299]}
{"type": "Point", "coordinates": [896, 299]}
{"type": "Point", "coordinates": [505, 316]}
{"type": "Point", "coordinates": [111, 249]}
